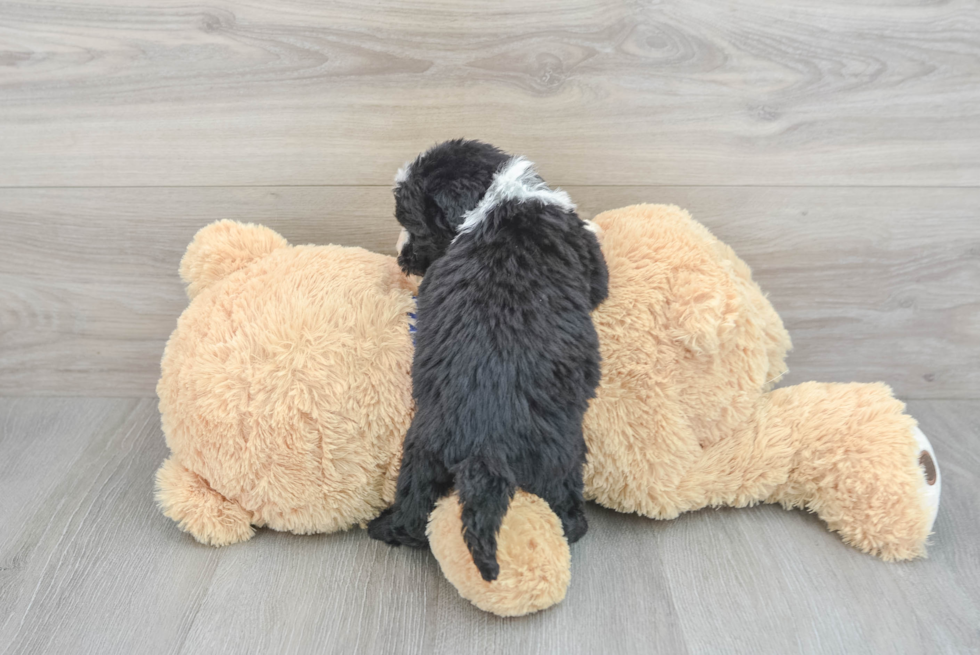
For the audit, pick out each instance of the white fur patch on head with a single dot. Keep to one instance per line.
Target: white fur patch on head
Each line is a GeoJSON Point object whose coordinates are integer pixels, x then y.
{"type": "Point", "coordinates": [403, 172]}
{"type": "Point", "coordinates": [594, 229]}
{"type": "Point", "coordinates": [403, 238]}
{"type": "Point", "coordinates": [516, 180]}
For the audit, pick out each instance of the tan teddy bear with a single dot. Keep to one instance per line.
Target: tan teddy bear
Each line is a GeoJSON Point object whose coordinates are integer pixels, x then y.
{"type": "Point", "coordinates": [286, 392]}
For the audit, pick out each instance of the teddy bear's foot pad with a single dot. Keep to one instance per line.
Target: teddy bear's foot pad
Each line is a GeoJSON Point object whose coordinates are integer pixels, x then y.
{"type": "Point", "coordinates": [932, 480]}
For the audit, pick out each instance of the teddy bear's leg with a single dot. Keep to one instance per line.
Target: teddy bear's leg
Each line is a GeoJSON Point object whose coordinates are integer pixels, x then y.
{"type": "Point", "coordinates": [208, 516]}
{"type": "Point", "coordinates": [856, 459]}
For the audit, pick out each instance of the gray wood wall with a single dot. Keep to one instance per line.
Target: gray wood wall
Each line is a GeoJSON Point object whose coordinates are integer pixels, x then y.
{"type": "Point", "coordinates": [835, 146]}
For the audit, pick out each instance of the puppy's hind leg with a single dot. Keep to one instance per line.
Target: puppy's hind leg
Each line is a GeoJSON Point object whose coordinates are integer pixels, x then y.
{"type": "Point", "coordinates": [422, 481]}
{"type": "Point", "coordinates": [565, 497]}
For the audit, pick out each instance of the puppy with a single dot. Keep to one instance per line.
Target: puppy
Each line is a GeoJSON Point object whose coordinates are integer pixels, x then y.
{"type": "Point", "coordinates": [506, 356]}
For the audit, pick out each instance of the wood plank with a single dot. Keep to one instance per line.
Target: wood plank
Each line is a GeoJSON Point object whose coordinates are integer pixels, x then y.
{"type": "Point", "coordinates": [95, 567]}
{"type": "Point", "coordinates": [764, 580]}
{"type": "Point", "coordinates": [873, 284]}
{"type": "Point", "coordinates": [360, 596]}
{"type": "Point", "coordinates": [91, 287]}
{"type": "Point", "coordinates": [41, 440]}
{"type": "Point", "coordinates": [89, 565]}
{"type": "Point", "coordinates": [598, 92]}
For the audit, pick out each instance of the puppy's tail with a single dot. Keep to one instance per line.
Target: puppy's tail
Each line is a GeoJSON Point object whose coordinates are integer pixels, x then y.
{"type": "Point", "coordinates": [485, 487]}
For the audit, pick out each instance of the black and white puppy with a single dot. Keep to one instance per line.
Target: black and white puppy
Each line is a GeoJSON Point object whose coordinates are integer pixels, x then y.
{"type": "Point", "coordinates": [506, 355]}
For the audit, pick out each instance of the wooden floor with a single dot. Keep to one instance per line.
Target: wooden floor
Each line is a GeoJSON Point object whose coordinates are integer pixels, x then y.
{"type": "Point", "coordinates": [835, 145]}
{"type": "Point", "coordinates": [89, 565]}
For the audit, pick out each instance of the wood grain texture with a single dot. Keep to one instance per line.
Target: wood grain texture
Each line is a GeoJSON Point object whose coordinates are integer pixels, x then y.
{"type": "Point", "coordinates": [835, 145]}
{"type": "Point", "coordinates": [760, 92]}
{"type": "Point", "coordinates": [87, 574]}
{"type": "Point", "coordinates": [742, 574]}
{"type": "Point", "coordinates": [89, 565]}
{"type": "Point", "coordinates": [873, 284]}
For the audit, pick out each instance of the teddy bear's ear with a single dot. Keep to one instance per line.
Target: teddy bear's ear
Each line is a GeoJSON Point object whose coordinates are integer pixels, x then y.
{"type": "Point", "coordinates": [222, 248]}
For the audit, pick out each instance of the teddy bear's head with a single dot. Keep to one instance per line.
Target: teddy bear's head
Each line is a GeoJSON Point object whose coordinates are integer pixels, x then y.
{"type": "Point", "coordinates": [286, 383]}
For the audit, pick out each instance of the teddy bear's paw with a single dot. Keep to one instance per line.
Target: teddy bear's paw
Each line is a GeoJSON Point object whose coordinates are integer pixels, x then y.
{"type": "Point", "coordinates": [208, 516]}
{"type": "Point", "coordinates": [902, 525]}
{"type": "Point", "coordinates": [889, 511]}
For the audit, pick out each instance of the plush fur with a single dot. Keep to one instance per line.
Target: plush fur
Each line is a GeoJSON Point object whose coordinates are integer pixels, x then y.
{"type": "Point", "coordinates": [531, 549]}
{"type": "Point", "coordinates": [286, 392]}
{"type": "Point", "coordinates": [265, 422]}
{"type": "Point", "coordinates": [506, 356]}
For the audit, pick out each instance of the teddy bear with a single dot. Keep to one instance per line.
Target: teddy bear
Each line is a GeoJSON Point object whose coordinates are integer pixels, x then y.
{"type": "Point", "coordinates": [286, 392]}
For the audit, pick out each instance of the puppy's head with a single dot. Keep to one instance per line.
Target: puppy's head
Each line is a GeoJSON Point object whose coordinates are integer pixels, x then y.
{"type": "Point", "coordinates": [433, 193]}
